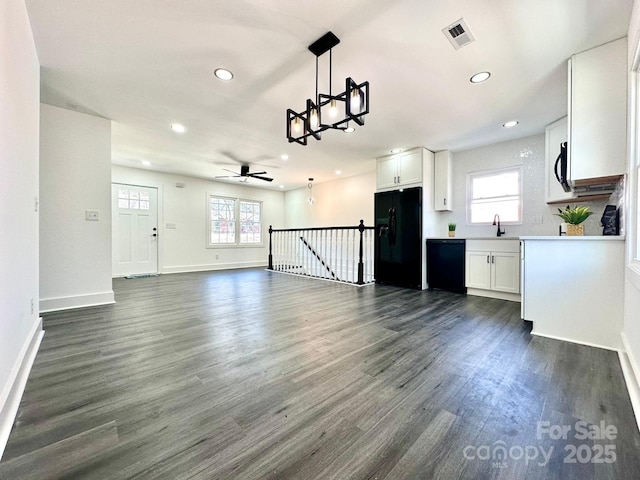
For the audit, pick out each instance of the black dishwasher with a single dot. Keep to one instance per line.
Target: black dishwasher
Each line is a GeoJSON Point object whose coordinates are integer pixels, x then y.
{"type": "Point", "coordinates": [445, 264]}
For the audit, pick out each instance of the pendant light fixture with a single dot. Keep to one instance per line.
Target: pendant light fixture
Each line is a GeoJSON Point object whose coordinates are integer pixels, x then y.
{"type": "Point", "coordinates": [328, 111]}
{"type": "Point", "coordinates": [310, 200]}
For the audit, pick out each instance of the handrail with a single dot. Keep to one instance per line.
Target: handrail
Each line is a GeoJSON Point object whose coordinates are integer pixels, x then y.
{"type": "Point", "coordinates": [317, 228]}
{"type": "Point", "coordinates": [333, 252]}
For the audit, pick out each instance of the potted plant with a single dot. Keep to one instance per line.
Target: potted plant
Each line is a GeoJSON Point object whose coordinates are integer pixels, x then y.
{"type": "Point", "coordinates": [452, 229]}
{"type": "Point", "coordinates": [574, 218]}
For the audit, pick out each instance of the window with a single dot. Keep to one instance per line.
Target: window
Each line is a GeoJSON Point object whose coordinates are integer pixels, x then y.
{"type": "Point", "coordinates": [250, 222]}
{"type": "Point", "coordinates": [495, 191]}
{"type": "Point", "coordinates": [222, 220]}
{"type": "Point", "coordinates": [234, 222]}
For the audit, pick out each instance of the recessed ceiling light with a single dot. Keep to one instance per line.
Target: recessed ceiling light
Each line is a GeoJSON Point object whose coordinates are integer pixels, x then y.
{"type": "Point", "coordinates": [281, 186]}
{"type": "Point", "coordinates": [396, 150]}
{"type": "Point", "coordinates": [510, 124]}
{"type": "Point", "coordinates": [480, 77]}
{"type": "Point", "coordinates": [338, 172]}
{"type": "Point", "coordinates": [223, 74]}
{"type": "Point", "coordinates": [284, 156]}
{"type": "Point", "coordinates": [145, 163]}
{"type": "Point", "coordinates": [349, 130]}
{"type": "Point", "coordinates": [176, 127]}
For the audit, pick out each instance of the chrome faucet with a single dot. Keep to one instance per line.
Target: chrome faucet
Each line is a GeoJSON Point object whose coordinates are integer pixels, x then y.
{"type": "Point", "coordinates": [500, 232]}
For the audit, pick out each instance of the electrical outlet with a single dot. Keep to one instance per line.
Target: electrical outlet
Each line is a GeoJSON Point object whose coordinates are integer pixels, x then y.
{"type": "Point", "coordinates": [537, 220]}
{"type": "Point", "coordinates": [35, 203]}
{"type": "Point", "coordinates": [170, 226]}
{"type": "Point", "coordinates": [33, 306]}
{"type": "Point", "coordinates": [92, 215]}
{"type": "Point", "coordinates": [217, 257]}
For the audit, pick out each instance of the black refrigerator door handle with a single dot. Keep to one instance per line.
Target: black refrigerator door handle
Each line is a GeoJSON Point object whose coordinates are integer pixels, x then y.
{"type": "Point", "coordinates": [392, 226]}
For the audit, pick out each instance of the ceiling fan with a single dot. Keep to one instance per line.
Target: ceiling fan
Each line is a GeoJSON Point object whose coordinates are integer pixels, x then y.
{"type": "Point", "coordinates": [244, 173]}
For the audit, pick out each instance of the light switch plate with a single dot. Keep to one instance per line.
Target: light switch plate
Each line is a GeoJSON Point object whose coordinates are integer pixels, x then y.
{"type": "Point", "coordinates": [170, 226]}
{"type": "Point", "coordinates": [537, 220]}
{"type": "Point", "coordinates": [92, 215]}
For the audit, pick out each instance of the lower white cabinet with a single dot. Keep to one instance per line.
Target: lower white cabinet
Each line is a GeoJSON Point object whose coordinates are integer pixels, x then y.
{"type": "Point", "coordinates": [493, 266]}
{"type": "Point", "coordinates": [498, 271]}
{"type": "Point", "coordinates": [574, 288]}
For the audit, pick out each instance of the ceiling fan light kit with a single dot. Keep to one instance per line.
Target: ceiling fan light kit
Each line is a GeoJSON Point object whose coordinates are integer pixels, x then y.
{"type": "Point", "coordinates": [328, 111]}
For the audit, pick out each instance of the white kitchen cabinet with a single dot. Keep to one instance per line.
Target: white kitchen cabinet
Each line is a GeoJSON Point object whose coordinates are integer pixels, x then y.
{"type": "Point", "coordinates": [492, 268]}
{"type": "Point", "coordinates": [442, 181]}
{"type": "Point", "coordinates": [478, 270]}
{"type": "Point", "coordinates": [573, 288]}
{"type": "Point", "coordinates": [399, 170]}
{"type": "Point", "coordinates": [555, 134]}
{"type": "Point", "coordinates": [598, 112]}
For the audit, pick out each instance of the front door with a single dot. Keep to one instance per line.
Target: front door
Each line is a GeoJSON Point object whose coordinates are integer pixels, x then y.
{"type": "Point", "coordinates": [135, 230]}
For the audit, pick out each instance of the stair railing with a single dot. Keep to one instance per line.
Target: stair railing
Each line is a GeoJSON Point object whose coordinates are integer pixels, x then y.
{"type": "Point", "coordinates": [343, 254]}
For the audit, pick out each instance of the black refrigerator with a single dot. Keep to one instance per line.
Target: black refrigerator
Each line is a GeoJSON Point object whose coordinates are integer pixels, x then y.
{"type": "Point", "coordinates": [398, 237]}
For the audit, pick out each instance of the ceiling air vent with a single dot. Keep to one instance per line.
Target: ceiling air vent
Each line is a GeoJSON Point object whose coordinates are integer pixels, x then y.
{"type": "Point", "coordinates": [458, 34]}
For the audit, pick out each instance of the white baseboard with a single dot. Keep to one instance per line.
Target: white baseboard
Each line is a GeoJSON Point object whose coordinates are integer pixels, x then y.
{"type": "Point", "coordinates": [631, 376]}
{"type": "Point", "coordinates": [76, 301]}
{"type": "Point", "coordinates": [478, 292]}
{"type": "Point", "coordinates": [571, 340]}
{"type": "Point", "coordinates": [13, 390]}
{"type": "Point", "coordinates": [213, 266]}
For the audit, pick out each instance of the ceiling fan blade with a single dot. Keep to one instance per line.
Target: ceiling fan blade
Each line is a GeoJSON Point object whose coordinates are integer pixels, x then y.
{"type": "Point", "coordinates": [232, 157]}
{"type": "Point", "coordinates": [266, 179]}
{"type": "Point", "coordinates": [256, 173]}
{"type": "Point", "coordinates": [230, 171]}
{"type": "Point", "coordinates": [227, 176]}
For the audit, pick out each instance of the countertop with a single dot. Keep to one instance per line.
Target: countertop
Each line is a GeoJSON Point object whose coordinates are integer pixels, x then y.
{"type": "Point", "coordinates": [576, 238]}
{"type": "Point", "coordinates": [563, 238]}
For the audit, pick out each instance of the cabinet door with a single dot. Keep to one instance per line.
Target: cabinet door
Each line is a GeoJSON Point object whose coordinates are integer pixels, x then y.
{"type": "Point", "coordinates": [442, 181]}
{"type": "Point", "coordinates": [478, 270]}
{"type": "Point", "coordinates": [505, 272]}
{"type": "Point", "coordinates": [598, 111]}
{"type": "Point", "coordinates": [386, 172]}
{"type": "Point", "coordinates": [555, 134]}
{"type": "Point", "coordinates": [410, 167]}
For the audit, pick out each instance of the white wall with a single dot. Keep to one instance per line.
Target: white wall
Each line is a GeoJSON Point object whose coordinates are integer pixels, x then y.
{"type": "Point", "coordinates": [75, 175]}
{"type": "Point", "coordinates": [341, 202]}
{"type": "Point", "coordinates": [528, 152]}
{"type": "Point", "coordinates": [183, 249]}
{"type": "Point", "coordinates": [19, 112]}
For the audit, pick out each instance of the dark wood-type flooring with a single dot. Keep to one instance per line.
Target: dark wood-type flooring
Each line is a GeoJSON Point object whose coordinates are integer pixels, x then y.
{"type": "Point", "coordinates": [258, 375]}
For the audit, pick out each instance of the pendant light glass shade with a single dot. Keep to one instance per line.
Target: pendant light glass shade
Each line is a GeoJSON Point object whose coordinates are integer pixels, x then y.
{"type": "Point", "coordinates": [333, 108]}
{"type": "Point", "coordinates": [314, 120]}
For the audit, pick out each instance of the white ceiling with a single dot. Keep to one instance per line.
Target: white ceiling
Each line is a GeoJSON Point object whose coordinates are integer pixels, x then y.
{"type": "Point", "coordinates": [147, 63]}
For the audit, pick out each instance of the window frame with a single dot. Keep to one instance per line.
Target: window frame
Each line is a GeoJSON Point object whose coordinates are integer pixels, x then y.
{"type": "Point", "coordinates": [237, 227]}
{"type": "Point", "coordinates": [488, 173]}
{"type": "Point", "coordinates": [632, 200]}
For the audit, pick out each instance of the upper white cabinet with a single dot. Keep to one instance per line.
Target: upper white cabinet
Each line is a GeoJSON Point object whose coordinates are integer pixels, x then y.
{"type": "Point", "coordinates": [598, 112]}
{"type": "Point", "coordinates": [442, 181]}
{"type": "Point", "coordinates": [555, 134]}
{"type": "Point", "coordinates": [399, 170]}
